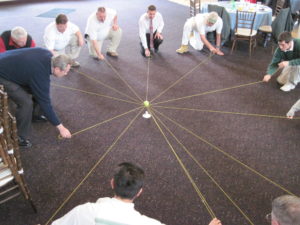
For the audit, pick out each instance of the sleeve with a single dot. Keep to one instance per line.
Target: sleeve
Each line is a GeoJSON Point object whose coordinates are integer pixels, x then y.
{"type": "Point", "coordinates": [90, 28]}
{"type": "Point", "coordinates": [2, 45]}
{"type": "Point", "coordinates": [200, 25]}
{"type": "Point", "coordinates": [294, 108]}
{"type": "Point", "coordinates": [273, 66]}
{"type": "Point", "coordinates": [294, 62]}
{"type": "Point", "coordinates": [161, 24]}
{"type": "Point", "coordinates": [49, 38]}
{"type": "Point", "coordinates": [219, 26]}
{"type": "Point", "coordinates": [40, 87]}
{"type": "Point", "coordinates": [142, 32]}
{"type": "Point", "coordinates": [74, 28]}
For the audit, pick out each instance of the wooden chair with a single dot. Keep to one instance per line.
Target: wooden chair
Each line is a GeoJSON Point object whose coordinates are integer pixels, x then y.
{"type": "Point", "coordinates": [244, 29]}
{"type": "Point", "coordinates": [12, 181]}
{"type": "Point", "coordinates": [195, 7]}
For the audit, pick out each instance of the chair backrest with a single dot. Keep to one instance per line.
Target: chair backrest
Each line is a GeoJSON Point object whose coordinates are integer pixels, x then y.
{"type": "Point", "coordinates": [279, 6]}
{"type": "Point", "coordinates": [195, 7]}
{"type": "Point", "coordinates": [282, 22]}
{"type": "Point", "coordinates": [245, 19]}
{"type": "Point", "coordinates": [10, 155]}
{"type": "Point", "coordinates": [224, 15]}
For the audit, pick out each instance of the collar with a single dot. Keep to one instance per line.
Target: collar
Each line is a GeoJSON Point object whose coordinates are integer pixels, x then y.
{"type": "Point", "coordinates": [291, 48]}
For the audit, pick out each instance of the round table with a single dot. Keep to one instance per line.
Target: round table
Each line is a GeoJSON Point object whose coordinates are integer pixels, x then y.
{"type": "Point", "coordinates": [263, 13]}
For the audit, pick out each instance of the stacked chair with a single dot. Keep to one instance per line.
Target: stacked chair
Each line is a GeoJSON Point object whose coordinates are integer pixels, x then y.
{"type": "Point", "coordinates": [12, 182]}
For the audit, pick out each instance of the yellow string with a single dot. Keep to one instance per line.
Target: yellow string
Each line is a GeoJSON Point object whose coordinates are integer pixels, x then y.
{"type": "Point", "coordinates": [226, 154]}
{"type": "Point", "coordinates": [105, 121]}
{"type": "Point", "coordinates": [183, 76]}
{"type": "Point", "coordinates": [105, 85]}
{"type": "Point", "coordinates": [93, 168]}
{"type": "Point", "coordinates": [205, 171]}
{"type": "Point", "coordinates": [93, 93]}
{"type": "Point", "coordinates": [208, 92]}
{"type": "Point", "coordinates": [147, 87]}
{"type": "Point", "coordinates": [105, 60]}
{"type": "Point", "coordinates": [224, 112]}
{"type": "Point", "coordinates": [185, 170]}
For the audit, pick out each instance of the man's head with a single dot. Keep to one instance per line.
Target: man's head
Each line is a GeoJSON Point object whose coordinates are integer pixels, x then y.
{"type": "Point", "coordinates": [211, 19]}
{"type": "Point", "coordinates": [285, 40]}
{"type": "Point", "coordinates": [286, 210]}
{"type": "Point", "coordinates": [61, 65]}
{"type": "Point", "coordinates": [101, 14]}
{"type": "Point", "coordinates": [61, 22]}
{"type": "Point", "coordinates": [128, 181]}
{"type": "Point", "coordinates": [19, 36]}
{"type": "Point", "coordinates": [151, 11]}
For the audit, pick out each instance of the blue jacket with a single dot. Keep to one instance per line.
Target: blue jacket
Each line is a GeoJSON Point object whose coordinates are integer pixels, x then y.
{"type": "Point", "coordinates": [31, 68]}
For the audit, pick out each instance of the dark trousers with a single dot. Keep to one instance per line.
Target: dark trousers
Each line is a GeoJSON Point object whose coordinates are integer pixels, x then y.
{"type": "Point", "coordinates": [156, 42]}
{"type": "Point", "coordinates": [22, 97]}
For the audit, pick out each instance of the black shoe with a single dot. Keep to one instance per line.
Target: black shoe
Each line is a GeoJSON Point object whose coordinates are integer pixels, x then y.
{"type": "Point", "coordinates": [40, 118]}
{"type": "Point", "coordinates": [24, 143]}
{"type": "Point", "coordinates": [156, 50]}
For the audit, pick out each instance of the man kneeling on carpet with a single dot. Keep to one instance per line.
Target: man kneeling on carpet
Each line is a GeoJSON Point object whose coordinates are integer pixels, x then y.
{"type": "Point", "coordinates": [195, 30]}
{"type": "Point", "coordinates": [127, 184]}
{"type": "Point", "coordinates": [286, 57]}
{"type": "Point", "coordinates": [25, 75]}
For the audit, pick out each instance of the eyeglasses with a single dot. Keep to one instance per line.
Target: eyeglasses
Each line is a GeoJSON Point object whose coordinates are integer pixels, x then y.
{"type": "Point", "coordinates": [269, 217]}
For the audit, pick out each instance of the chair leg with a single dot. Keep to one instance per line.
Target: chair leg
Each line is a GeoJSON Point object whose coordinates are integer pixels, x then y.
{"type": "Point", "coordinates": [233, 45]}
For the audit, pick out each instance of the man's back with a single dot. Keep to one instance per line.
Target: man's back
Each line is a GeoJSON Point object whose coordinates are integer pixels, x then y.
{"type": "Point", "coordinates": [107, 210]}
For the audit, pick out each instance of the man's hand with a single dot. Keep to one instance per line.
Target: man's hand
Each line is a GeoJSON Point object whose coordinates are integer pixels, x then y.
{"type": "Point", "coordinates": [100, 56]}
{"type": "Point", "coordinates": [283, 64]}
{"type": "Point", "coordinates": [147, 52]}
{"type": "Point", "coordinates": [213, 50]}
{"type": "Point", "coordinates": [267, 78]}
{"type": "Point", "coordinates": [158, 36]}
{"type": "Point", "coordinates": [219, 52]}
{"type": "Point", "coordinates": [64, 132]}
{"type": "Point", "coordinates": [215, 221]}
{"type": "Point", "coordinates": [115, 27]}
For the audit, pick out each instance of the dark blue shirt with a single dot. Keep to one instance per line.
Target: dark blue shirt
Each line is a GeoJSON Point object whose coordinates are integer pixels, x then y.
{"type": "Point", "coordinates": [31, 68]}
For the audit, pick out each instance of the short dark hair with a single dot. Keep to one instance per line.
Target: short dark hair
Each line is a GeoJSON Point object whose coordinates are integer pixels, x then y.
{"type": "Point", "coordinates": [128, 180]}
{"type": "Point", "coordinates": [151, 8]}
{"type": "Point", "coordinates": [101, 9]}
{"type": "Point", "coordinates": [61, 19]}
{"type": "Point", "coordinates": [285, 36]}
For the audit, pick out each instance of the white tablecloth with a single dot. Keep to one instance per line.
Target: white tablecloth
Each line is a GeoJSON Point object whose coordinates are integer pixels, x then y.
{"type": "Point", "coordinates": [263, 13]}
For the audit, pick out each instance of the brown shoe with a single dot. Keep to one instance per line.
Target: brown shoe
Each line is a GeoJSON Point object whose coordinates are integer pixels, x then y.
{"type": "Point", "coordinates": [112, 54]}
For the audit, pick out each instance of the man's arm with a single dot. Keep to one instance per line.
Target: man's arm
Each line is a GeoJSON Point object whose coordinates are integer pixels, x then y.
{"type": "Point", "coordinates": [80, 38]}
{"type": "Point", "coordinates": [97, 50]}
{"type": "Point", "coordinates": [142, 34]}
{"type": "Point", "coordinates": [207, 43]}
{"type": "Point", "coordinates": [218, 45]}
{"type": "Point", "coordinates": [273, 66]}
{"type": "Point", "coordinates": [115, 25]}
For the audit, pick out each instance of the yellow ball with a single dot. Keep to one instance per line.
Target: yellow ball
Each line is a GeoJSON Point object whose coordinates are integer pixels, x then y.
{"type": "Point", "coordinates": [146, 103]}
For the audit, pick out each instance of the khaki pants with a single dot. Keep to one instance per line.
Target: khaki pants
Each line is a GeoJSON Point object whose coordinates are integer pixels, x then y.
{"type": "Point", "coordinates": [72, 49]}
{"type": "Point", "coordinates": [290, 74]}
{"type": "Point", "coordinates": [114, 36]}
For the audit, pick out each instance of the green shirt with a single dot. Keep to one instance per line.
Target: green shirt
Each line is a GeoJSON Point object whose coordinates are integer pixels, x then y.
{"type": "Point", "coordinates": [292, 56]}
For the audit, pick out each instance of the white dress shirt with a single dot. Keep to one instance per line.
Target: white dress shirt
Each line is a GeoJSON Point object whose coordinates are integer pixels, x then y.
{"type": "Point", "coordinates": [107, 209]}
{"type": "Point", "coordinates": [55, 40]}
{"type": "Point", "coordinates": [144, 26]}
{"type": "Point", "coordinates": [98, 30]}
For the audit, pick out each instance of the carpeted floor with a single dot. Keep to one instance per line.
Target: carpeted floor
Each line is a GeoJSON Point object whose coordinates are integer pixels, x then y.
{"type": "Point", "coordinates": [239, 151]}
